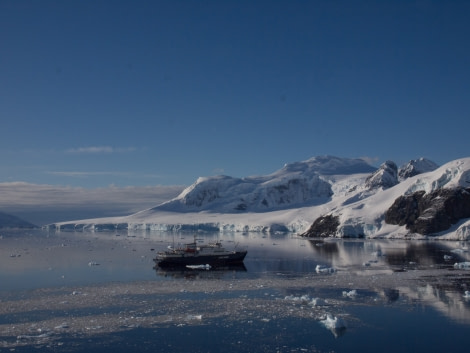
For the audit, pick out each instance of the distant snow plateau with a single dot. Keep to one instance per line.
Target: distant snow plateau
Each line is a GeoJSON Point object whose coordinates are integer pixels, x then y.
{"type": "Point", "coordinates": [355, 193]}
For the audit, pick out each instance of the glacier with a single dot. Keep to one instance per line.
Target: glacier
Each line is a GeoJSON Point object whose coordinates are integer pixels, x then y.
{"type": "Point", "coordinates": [292, 198]}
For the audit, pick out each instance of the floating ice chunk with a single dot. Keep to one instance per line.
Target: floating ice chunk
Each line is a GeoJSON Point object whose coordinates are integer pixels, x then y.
{"type": "Point", "coordinates": [351, 294]}
{"type": "Point", "coordinates": [199, 267]}
{"type": "Point", "coordinates": [304, 298]}
{"type": "Point", "coordinates": [318, 302]}
{"type": "Point", "coordinates": [193, 317]}
{"type": "Point", "coordinates": [467, 294]}
{"type": "Point", "coordinates": [93, 263]}
{"type": "Point", "coordinates": [459, 251]}
{"type": "Point", "coordinates": [32, 337]}
{"type": "Point", "coordinates": [324, 269]}
{"type": "Point", "coordinates": [335, 324]}
{"type": "Point", "coordinates": [462, 265]}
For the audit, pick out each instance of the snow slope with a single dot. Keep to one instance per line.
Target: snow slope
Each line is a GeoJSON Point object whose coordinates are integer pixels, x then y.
{"type": "Point", "coordinates": [291, 199]}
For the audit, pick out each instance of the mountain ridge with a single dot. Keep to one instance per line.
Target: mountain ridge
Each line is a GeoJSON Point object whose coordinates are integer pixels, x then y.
{"type": "Point", "coordinates": [292, 198]}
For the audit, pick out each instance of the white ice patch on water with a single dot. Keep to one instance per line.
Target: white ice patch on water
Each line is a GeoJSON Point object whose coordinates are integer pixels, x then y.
{"type": "Point", "coordinates": [302, 299]}
{"type": "Point", "coordinates": [333, 322]}
{"type": "Point", "coordinates": [459, 251]}
{"type": "Point", "coordinates": [306, 299]}
{"type": "Point", "coordinates": [462, 265]}
{"type": "Point", "coordinates": [318, 302]}
{"type": "Point", "coordinates": [324, 269]}
{"type": "Point", "coordinates": [351, 294]}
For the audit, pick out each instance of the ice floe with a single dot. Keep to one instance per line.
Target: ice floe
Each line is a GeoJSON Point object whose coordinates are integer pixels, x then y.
{"type": "Point", "coordinates": [334, 323]}
{"type": "Point", "coordinates": [303, 299]}
{"type": "Point", "coordinates": [306, 299]}
{"type": "Point", "coordinates": [350, 294]}
{"type": "Point", "coordinates": [462, 265]}
{"type": "Point", "coordinates": [324, 269]}
{"type": "Point", "coordinates": [318, 302]}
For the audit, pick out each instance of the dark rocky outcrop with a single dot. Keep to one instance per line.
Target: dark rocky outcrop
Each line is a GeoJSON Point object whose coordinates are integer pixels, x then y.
{"type": "Point", "coordinates": [430, 213]}
{"type": "Point", "coordinates": [324, 226]}
{"type": "Point", "coordinates": [385, 177]}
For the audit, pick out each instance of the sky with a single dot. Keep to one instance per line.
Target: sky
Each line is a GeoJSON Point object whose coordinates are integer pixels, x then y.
{"type": "Point", "coordinates": [111, 93]}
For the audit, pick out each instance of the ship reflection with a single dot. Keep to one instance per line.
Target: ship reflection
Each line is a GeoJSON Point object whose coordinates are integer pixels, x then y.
{"type": "Point", "coordinates": [214, 272]}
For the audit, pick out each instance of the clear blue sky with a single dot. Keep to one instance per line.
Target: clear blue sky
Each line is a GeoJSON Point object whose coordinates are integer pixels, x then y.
{"type": "Point", "coordinates": [96, 92]}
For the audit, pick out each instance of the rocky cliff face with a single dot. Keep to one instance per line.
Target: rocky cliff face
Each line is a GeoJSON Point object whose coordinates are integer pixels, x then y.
{"type": "Point", "coordinates": [430, 213]}
{"type": "Point", "coordinates": [324, 226]}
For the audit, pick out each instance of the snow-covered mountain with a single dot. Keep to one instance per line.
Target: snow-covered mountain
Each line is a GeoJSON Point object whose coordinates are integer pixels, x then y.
{"type": "Point", "coordinates": [355, 195]}
{"type": "Point", "coordinates": [415, 167]}
{"type": "Point", "coordinates": [295, 185]}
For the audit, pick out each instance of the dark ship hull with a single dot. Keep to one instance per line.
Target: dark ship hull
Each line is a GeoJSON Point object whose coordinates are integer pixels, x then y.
{"type": "Point", "coordinates": [185, 259]}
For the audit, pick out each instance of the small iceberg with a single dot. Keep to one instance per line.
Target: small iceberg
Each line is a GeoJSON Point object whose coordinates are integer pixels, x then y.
{"type": "Point", "coordinates": [351, 294]}
{"type": "Point", "coordinates": [318, 302]}
{"type": "Point", "coordinates": [335, 324]}
{"type": "Point", "coordinates": [467, 294]}
{"type": "Point", "coordinates": [324, 269]}
{"type": "Point", "coordinates": [303, 299]}
{"type": "Point", "coordinates": [462, 265]}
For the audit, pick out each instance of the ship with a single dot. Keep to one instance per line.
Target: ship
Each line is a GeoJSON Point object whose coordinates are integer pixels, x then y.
{"type": "Point", "coordinates": [191, 254]}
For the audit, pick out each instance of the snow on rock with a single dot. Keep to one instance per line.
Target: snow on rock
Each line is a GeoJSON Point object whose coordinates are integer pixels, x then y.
{"type": "Point", "coordinates": [415, 167]}
{"type": "Point", "coordinates": [355, 195]}
{"type": "Point", "coordinates": [296, 184]}
{"type": "Point", "coordinates": [365, 217]}
{"type": "Point", "coordinates": [385, 177]}
{"type": "Point", "coordinates": [463, 232]}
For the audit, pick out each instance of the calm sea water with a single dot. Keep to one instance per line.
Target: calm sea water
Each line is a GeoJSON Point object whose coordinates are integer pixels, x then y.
{"type": "Point", "coordinates": [101, 292]}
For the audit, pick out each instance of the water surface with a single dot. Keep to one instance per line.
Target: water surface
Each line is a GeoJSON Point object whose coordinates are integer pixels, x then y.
{"type": "Point", "coordinates": [102, 292]}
